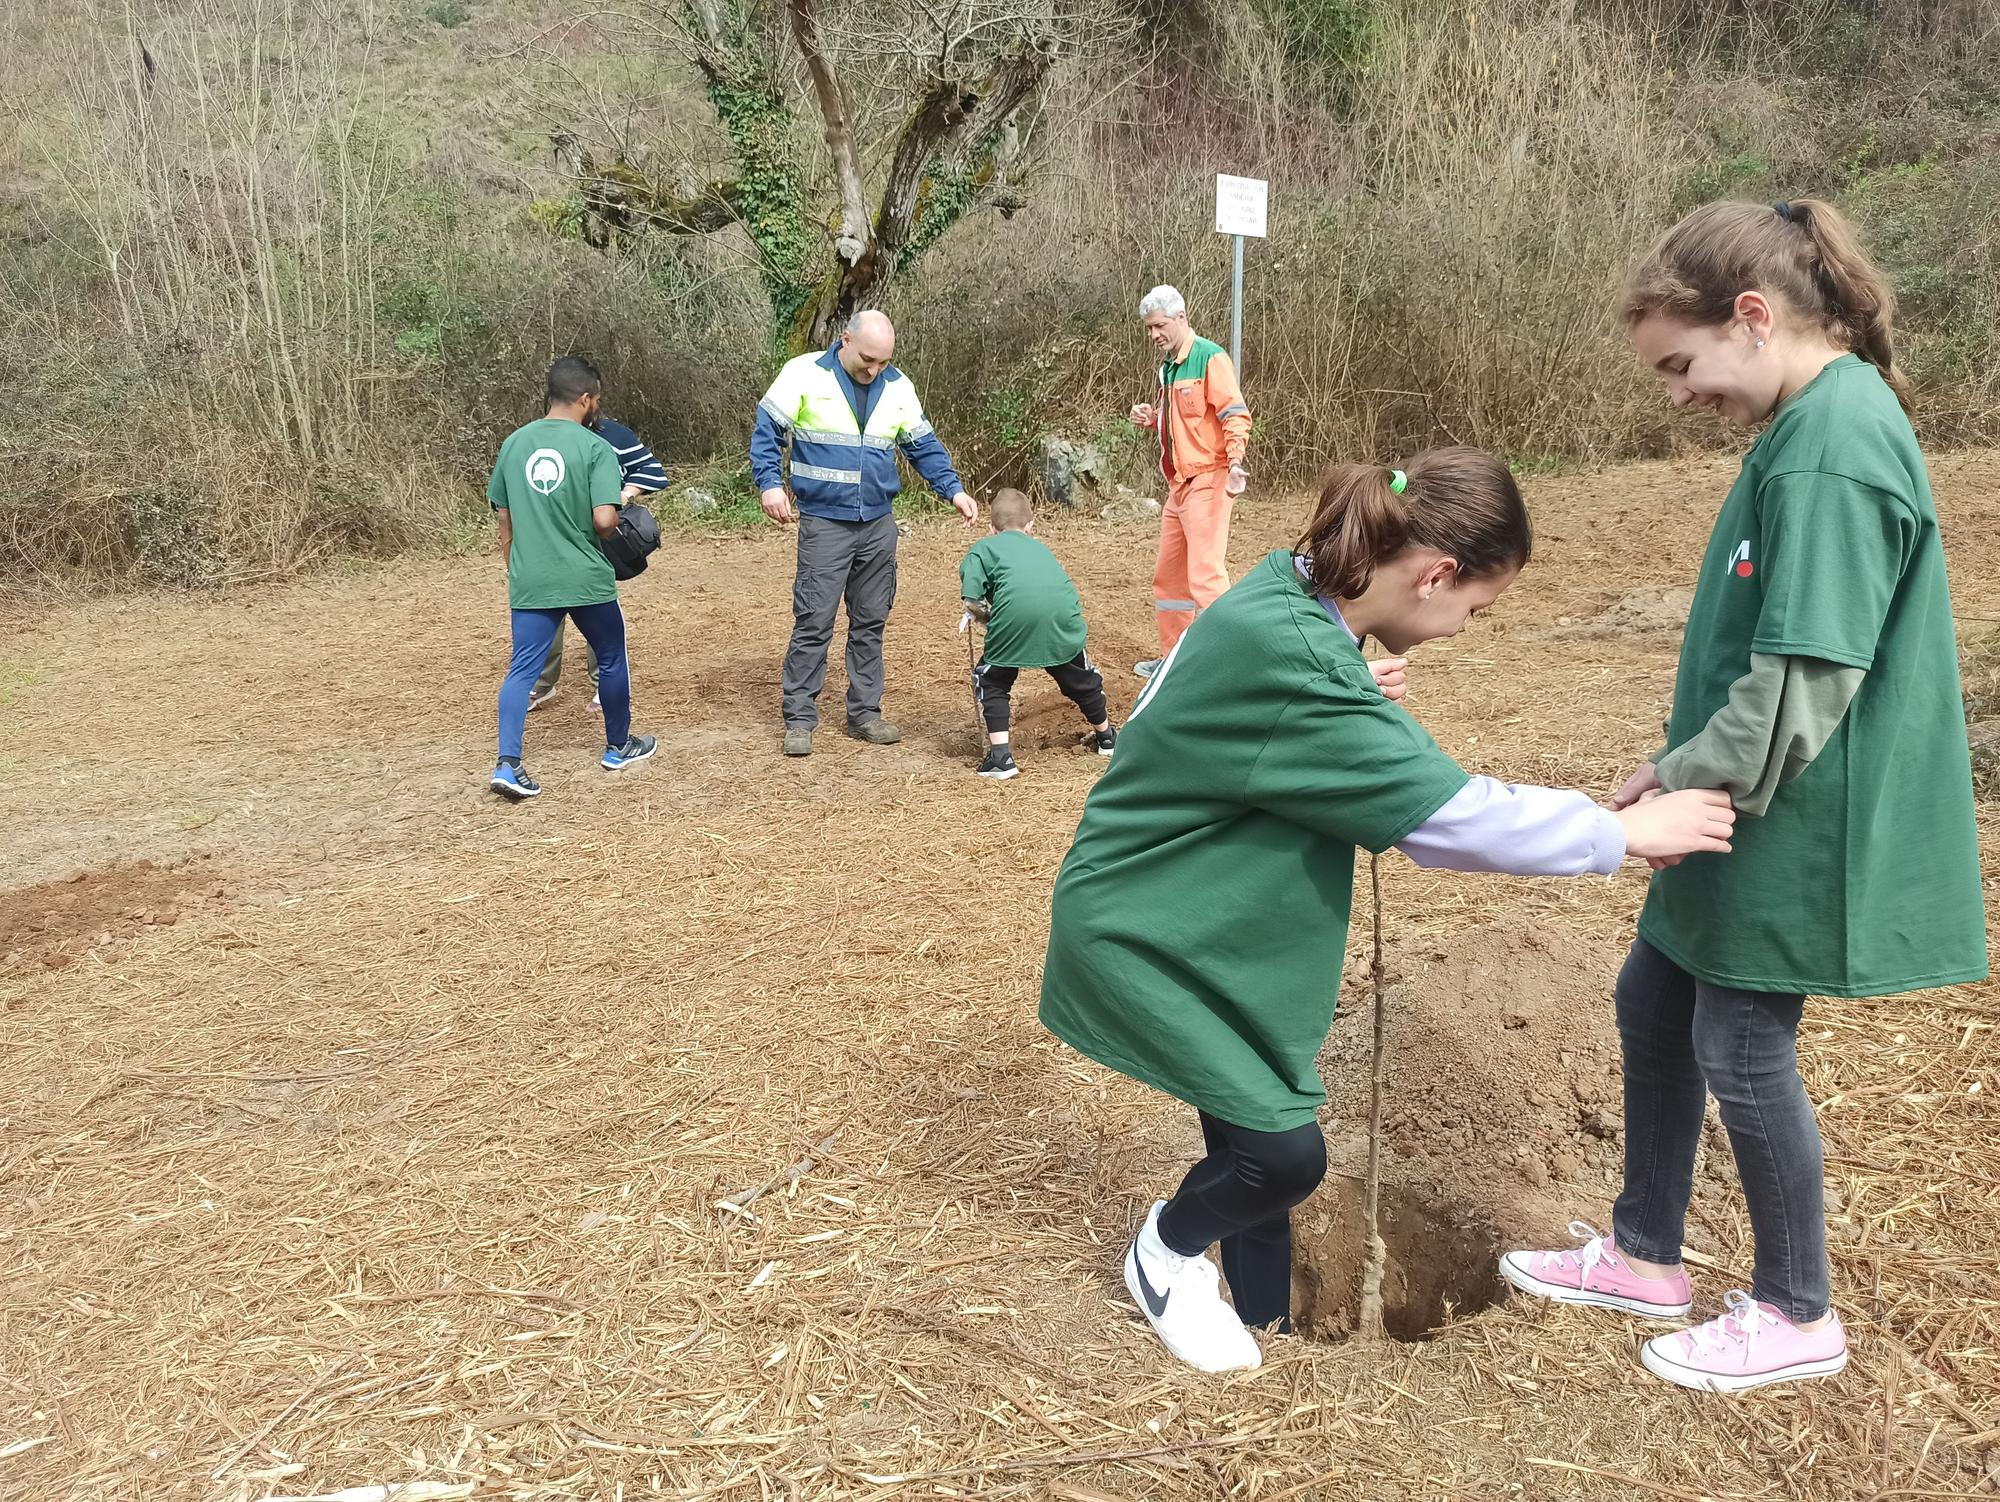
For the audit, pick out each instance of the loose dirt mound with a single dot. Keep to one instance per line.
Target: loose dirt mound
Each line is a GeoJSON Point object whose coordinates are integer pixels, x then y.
{"type": "Point", "coordinates": [52, 923]}
{"type": "Point", "coordinates": [1501, 1120]}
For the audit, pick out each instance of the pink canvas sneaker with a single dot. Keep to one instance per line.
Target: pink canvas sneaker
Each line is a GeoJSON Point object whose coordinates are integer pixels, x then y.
{"type": "Point", "coordinates": [1595, 1274]}
{"type": "Point", "coordinates": [1749, 1345]}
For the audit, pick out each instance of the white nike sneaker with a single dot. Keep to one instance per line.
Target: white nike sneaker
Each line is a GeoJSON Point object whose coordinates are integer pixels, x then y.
{"type": "Point", "coordinates": [1181, 1298]}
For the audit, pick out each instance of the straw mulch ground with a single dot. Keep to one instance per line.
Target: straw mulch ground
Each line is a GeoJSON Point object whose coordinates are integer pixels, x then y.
{"type": "Point", "coordinates": [689, 1134]}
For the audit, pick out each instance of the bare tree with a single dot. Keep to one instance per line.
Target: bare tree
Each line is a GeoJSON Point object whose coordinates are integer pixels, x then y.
{"type": "Point", "coordinates": [968, 78]}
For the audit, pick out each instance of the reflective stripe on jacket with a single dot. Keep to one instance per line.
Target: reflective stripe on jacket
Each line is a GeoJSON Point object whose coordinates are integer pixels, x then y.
{"type": "Point", "coordinates": [840, 468]}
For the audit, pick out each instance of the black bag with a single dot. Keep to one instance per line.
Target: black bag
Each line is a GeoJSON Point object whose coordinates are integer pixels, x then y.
{"type": "Point", "coordinates": [635, 539]}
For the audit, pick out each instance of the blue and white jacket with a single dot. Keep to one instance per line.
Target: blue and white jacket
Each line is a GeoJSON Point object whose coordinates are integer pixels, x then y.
{"type": "Point", "coordinates": [844, 439]}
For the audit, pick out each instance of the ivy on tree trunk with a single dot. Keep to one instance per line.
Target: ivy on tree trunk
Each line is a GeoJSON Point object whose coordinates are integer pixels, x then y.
{"type": "Point", "coordinates": [956, 151]}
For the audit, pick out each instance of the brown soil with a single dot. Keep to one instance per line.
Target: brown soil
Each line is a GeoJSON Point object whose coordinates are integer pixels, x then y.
{"type": "Point", "coordinates": [690, 1133]}
{"type": "Point", "coordinates": [52, 923]}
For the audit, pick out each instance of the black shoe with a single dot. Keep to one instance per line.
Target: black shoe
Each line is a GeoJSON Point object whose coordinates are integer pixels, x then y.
{"type": "Point", "coordinates": [1103, 742]}
{"type": "Point", "coordinates": [999, 764]}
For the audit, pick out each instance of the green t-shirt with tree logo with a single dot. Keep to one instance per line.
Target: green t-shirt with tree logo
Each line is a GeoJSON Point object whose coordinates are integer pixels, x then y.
{"type": "Point", "coordinates": [1037, 620]}
{"type": "Point", "coordinates": [1863, 877]}
{"type": "Point", "coordinates": [1200, 918]}
{"type": "Point", "coordinates": [550, 476]}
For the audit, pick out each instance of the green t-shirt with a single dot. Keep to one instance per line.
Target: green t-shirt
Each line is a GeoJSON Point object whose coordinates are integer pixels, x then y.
{"type": "Point", "coordinates": [1200, 918]}
{"type": "Point", "coordinates": [1037, 620]}
{"type": "Point", "coordinates": [550, 475]}
{"type": "Point", "coordinates": [1863, 876]}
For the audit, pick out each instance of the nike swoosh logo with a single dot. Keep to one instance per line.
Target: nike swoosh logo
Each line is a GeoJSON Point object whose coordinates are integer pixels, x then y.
{"type": "Point", "coordinates": [1156, 1302]}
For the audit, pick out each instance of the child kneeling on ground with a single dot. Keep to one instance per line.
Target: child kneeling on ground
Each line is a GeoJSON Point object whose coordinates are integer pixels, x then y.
{"type": "Point", "coordinates": [1013, 583]}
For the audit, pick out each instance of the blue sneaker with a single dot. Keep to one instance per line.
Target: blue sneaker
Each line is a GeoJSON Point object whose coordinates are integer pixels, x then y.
{"type": "Point", "coordinates": [514, 782]}
{"type": "Point", "coordinates": [636, 749]}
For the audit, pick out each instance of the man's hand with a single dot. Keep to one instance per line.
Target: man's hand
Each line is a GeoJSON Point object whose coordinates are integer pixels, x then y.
{"type": "Point", "coordinates": [1391, 677]}
{"type": "Point", "coordinates": [629, 494]}
{"type": "Point", "coordinates": [979, 610]}
{"type": "Point", "coordinates": [1239, 477]}
{"type": "Point", "coordinates": [1663, 827]}
{"type": "Point", "coordinates": [967, 507]}
{"type": "Point", "coordinates": [1144, 415]}
{"type": "Point", "coordinates": [1635, 787]}
{"type": "Point", "coordinates": [776, 504]}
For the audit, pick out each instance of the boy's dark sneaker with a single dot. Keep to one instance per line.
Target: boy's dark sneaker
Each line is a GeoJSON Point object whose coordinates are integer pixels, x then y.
{"type": "Point", "coordinates": [1103, 742]}
{"type": "Point", "coordinates": [514, 783]}
{"type": "Point", "coordinates": [999, 764]}
{"type": "Point", "coordinates": [636, 749]}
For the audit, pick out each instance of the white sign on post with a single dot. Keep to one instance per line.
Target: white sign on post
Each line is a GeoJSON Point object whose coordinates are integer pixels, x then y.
{"type": "Point", "coordinates": [1240, 204]}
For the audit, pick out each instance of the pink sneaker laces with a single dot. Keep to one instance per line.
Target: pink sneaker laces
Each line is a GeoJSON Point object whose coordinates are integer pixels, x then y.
{"type": "Point", "coordinates": [1738, 1324]}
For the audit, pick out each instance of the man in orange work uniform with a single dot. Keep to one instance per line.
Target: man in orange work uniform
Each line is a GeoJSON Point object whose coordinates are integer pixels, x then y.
{"type": "Point", "coordinates": [1204, 429]}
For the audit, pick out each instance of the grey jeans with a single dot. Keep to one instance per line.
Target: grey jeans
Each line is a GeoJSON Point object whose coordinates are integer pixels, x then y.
{"type": "Point", "coordinates": [1684, 1038]}
{"type": "Point", "coordinates": [855, 561]}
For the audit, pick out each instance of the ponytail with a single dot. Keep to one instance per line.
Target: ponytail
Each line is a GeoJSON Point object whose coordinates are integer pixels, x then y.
{"type": "Point", "coordinates": [1860, 303]}
{"type": "Point", "coordinates": [1805, 252]}
{"type": "Point", "coordinates": [1460, 501]}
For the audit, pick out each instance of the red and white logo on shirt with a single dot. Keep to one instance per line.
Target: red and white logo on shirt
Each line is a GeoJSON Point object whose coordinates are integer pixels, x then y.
{"type": "Point", "coordinates": [1739, 561]}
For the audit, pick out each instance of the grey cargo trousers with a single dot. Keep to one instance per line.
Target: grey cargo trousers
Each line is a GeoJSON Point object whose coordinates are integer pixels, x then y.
{"type": "Point", "coordinates": [855, 561]}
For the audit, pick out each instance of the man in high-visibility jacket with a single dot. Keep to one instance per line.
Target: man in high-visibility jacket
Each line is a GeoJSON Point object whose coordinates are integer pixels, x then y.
{"type": "Point", "coordinates": [847, 412]}
{"type": "Point", "coordinates": [1204, 431]}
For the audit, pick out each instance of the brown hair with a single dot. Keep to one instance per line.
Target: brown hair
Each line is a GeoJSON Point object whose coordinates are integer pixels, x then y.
{"type": "Point", "coordinates": [1804, 251]}
{"type": "Point", "coordinates": [1011, 509]}
{"type": "Point", "coordinates": [1461, 501]}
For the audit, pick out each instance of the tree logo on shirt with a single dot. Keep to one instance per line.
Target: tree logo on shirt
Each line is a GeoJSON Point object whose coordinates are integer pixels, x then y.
{"type": "Point", "coordinates": [545, 471]}
{"type": "Point", "coordinates": [1739, 561]}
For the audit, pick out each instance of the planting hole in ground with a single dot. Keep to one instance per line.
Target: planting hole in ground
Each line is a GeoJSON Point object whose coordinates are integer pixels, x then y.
{"type": "Point", "coordinates": [1442, 1261]}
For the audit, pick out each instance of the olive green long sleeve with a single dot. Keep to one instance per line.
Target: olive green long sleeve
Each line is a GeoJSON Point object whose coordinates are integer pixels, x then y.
{"type": "Point", "coordinates": [1779, 716]}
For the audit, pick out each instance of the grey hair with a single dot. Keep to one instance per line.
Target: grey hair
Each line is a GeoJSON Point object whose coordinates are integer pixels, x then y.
{"type": "Point", "coordinates": [1165, 300]}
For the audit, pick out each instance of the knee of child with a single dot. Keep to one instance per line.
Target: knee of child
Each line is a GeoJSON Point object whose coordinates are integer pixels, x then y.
{"type": "Point", "coordinates": [1295, 1163]}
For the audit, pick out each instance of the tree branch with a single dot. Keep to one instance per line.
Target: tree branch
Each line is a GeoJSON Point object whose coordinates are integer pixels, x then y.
{"type": "Point", "coordinates": [851, 244]}
{"type": "Point", "coordinates": [618, 200]}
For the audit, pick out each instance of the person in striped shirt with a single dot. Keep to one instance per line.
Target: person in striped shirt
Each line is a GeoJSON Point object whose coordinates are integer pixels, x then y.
{"type": "Point", "coordinates": [643, 474]}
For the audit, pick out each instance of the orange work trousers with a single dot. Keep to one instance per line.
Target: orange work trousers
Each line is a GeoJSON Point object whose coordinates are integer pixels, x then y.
{"type": "Point", "coordinates": [1194, 535]}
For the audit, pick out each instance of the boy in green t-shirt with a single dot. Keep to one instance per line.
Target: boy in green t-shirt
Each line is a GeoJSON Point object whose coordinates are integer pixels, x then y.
{"type": "Point", "coordinates": [555, 492]}
{"type": "Point", "coordinates": [1013, 583]}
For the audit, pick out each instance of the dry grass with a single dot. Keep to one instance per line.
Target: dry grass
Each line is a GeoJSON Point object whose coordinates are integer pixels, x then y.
{"type": "Point", "coordinates": [691, 1135]}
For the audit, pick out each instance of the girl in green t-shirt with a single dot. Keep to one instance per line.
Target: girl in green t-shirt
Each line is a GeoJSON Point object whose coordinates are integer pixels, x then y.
{"type": "Point", "coordinates": [1200, 917]}
{"type": "Point", "coordinates": [1818, 687]}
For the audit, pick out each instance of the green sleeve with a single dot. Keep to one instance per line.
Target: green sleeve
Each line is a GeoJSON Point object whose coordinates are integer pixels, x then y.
{"type": "Point", "coordinates": [1780, 715]}
{"type": "Point", "coordinates": [496, 487]}
{"type": "Point", "coordinates": [1346, 763]}
{"type": "Point", "coordinates": [974, 583]}
{"type": "Point", "coordinates": [1833, 552]}
{"type": "Point", "coordinates": [606, 478]}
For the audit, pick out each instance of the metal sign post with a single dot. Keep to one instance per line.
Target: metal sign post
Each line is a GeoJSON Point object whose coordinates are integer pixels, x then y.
{"type": "Point", "coordinates": [1241, 205]}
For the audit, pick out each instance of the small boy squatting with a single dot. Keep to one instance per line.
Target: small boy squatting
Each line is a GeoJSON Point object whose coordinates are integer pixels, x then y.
{"type": "Point", "coordinates": [1033, 617]}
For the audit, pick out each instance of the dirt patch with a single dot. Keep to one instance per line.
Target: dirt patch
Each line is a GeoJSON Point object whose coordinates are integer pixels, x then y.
{"type": "Point", "coordinates": [1501, 1120]}
{"type": "Point", "coordinates": [1640, 613]}
{"type": "Point", "coordinates": [1441, 1262]}
{"type": "Point", "coordinates": [49, 925]}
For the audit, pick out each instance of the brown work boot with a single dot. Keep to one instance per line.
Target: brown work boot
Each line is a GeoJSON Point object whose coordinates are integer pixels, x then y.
{"type": "Point", "coordinates": [877, 732]}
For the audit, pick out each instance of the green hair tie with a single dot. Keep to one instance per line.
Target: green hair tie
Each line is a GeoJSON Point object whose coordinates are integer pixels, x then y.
{"type": "Point", "coordinates": [1398, 481]}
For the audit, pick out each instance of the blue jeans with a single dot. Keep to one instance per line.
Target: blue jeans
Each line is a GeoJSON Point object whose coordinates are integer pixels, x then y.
{"type": "Point", "coordinates": [603, 626]}
{"type": "Point", "coordinates": [1684, 1038]}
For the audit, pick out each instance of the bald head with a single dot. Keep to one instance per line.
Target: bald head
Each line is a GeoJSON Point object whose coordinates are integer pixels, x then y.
{"type": "Point", "coordinates": [868, 345]}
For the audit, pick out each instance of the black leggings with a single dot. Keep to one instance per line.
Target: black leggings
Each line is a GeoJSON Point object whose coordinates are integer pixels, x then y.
{"type": "Point", "coordinates": [1242, 1195]}
{"type": "Point", "coordinates": [1078, 678]}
